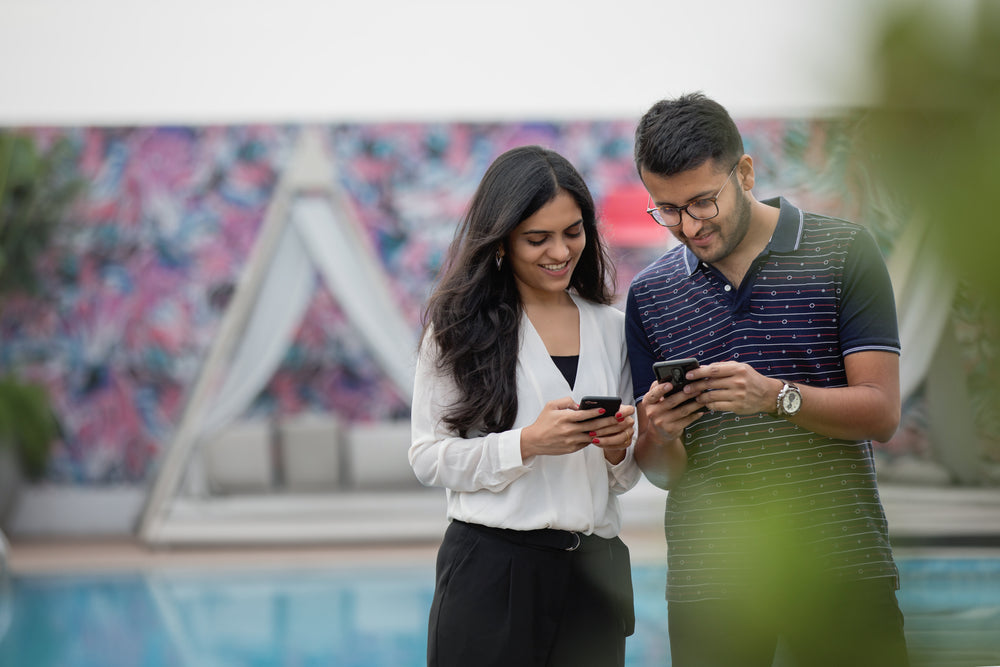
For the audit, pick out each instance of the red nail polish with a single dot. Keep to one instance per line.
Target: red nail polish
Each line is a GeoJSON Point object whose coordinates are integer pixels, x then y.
{"type": "Point", "coordinates": [592, 434]}
{"type": "Point", "coordinates": [596, 441]}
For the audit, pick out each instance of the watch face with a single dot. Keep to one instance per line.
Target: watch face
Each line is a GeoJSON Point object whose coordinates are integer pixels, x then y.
{"type": "Point", "coordinates": [791, 401]}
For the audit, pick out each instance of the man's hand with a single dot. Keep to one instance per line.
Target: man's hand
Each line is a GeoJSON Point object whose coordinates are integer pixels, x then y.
{"type": "Point", "coordinates": [662, 420]}
{"type": "Point", "coordinates": [730, 386]}
{"type": "Point", "coordinates": [868, 408]}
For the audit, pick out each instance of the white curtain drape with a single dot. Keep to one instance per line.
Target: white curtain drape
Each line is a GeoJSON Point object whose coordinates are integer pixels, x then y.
{"type": "Point", "coordinates": [280, 306]}
{"type": "Point", "coordinates": [358, 283]}
{"type": "Point", "coordinates": [924, 291]}
{"type": "Point", "coordinates": [316, 239]}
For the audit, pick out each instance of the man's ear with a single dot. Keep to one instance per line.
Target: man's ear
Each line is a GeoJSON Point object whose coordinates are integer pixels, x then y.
{"type": "Point", "coordinates": [745, 172]}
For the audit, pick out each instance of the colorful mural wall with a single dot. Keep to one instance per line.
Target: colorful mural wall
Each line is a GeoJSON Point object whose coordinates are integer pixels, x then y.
{"type": "Point", "coordinates": [150, 255]}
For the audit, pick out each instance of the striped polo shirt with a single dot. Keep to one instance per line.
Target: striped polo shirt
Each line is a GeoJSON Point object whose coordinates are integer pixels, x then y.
{"type": "Point", "coordinates": [762, 498]}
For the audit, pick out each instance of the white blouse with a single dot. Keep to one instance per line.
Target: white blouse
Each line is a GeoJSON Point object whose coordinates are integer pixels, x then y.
{"type": "Point", "coordinates": [486, 481]}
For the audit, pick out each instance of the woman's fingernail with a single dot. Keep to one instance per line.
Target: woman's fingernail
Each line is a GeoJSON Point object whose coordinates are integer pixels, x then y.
{"type": "Point", "coordinates": [596, 441]}
{"type": "Point", "coordinates": [601, 411]}
{"type": "Point", "coordinates": [592, 434]}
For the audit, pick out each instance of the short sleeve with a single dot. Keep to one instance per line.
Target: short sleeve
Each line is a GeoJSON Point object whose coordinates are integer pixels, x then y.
{"type": "Point", "coordinates": [868, 307]}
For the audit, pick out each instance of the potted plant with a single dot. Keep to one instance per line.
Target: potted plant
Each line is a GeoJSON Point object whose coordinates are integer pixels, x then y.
{"type": "Point", "coordinates": [27, 424]}
{"type": "Point", "coordinates": [28, 428]}
{"type": "Point", "coordinates": [35, 190]}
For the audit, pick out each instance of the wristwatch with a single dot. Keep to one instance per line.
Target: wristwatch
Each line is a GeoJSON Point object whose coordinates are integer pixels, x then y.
{"type": "Point", "coordinates": [789, 400]}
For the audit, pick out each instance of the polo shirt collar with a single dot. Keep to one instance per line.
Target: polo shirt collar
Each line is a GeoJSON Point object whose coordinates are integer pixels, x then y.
{"type": "Point", "coordinates": [788, 232]}
{"type": "Point", "coordinates": [786, 237]}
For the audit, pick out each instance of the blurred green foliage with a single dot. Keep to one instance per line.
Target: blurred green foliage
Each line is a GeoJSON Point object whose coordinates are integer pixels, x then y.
{"type": "Point", "coordinates": [935, 133]}
{"type": "Point", "coordinates": [36, 189]}
{"type": "Point", "coordinates": [933, 138]}
{"type": "Point", "coordinates": [27, 422]}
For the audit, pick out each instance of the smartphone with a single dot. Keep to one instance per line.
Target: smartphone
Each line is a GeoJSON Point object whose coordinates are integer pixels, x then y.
{"type": "Point", "coordinates": [673, 371]}
{"type": "Point", "coordinates": [609, 403]}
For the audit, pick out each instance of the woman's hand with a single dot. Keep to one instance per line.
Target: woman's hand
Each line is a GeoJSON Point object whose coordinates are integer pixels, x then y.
{"type": "Point", "coordinates": [614, 433]}
{"type": "Point", "coordinates": [561, 429]}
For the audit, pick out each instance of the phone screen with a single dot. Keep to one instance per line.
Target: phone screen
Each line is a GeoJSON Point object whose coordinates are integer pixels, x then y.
{"type": "Point", "coordinates": [673, 371]}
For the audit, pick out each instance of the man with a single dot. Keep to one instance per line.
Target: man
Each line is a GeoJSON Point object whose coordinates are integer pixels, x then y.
{"type": "Point", "coordinates": [773, 521]}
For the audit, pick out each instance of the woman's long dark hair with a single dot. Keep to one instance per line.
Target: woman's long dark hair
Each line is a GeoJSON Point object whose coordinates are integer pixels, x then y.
{"type": "Point", "coordinates": [475, 312]}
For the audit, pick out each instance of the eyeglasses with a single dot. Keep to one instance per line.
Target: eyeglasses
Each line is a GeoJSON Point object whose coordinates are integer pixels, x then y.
{"type": "Point", "coordinates": [701, 209]}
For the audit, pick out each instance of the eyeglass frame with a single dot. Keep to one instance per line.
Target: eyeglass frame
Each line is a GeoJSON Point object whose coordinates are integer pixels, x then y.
{"type": "Point", "coordinates": [684, 209]}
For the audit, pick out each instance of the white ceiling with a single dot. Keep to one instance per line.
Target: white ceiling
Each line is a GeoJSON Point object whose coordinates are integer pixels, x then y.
{"type": "Point", "coordinates": [207, 61]}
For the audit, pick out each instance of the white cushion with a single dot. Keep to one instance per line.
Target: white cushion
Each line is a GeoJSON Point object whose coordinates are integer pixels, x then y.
{"type": "Point", "coordinates": [238, 458]}
{"type": "Point", "coordinates": [378, 455]}
{"type": "Point", "coordinates": [311, 451]}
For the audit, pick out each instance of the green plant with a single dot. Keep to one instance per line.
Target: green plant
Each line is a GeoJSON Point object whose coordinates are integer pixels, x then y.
{"type": "Point", "coordinates": [27, 423]}
{"type": "Point", "coordinates": [36, 188]}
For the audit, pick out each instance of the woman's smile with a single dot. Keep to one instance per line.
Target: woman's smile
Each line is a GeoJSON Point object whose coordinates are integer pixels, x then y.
{"type": "Point", "coordinates": [556, 268]}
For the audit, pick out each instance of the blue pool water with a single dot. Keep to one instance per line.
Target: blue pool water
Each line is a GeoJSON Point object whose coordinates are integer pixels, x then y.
{"type": "Point", "coordinates": [377, 617]}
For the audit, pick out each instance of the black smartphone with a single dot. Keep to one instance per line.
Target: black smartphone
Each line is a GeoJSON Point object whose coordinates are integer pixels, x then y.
{"type": "Point", "coordinates": [609, 403]}
{"type": "Point", "coordinates": [673, 371]}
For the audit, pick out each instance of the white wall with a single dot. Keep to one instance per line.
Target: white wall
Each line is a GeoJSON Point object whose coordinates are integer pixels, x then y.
{"type": "Point", "coordinates": [202, 61]}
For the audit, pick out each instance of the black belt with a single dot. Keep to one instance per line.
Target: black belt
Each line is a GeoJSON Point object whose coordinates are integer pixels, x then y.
{"type": "Point", "coordinates": [547, 538]}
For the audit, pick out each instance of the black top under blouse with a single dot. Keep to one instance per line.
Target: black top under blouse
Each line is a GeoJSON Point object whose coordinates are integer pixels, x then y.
{"type": "Point", "coordinates": [567, 366]}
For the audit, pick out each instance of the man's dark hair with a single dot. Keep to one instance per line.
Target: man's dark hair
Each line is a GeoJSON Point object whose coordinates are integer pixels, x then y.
{"type": "Point", "coordinates": [682, 134]}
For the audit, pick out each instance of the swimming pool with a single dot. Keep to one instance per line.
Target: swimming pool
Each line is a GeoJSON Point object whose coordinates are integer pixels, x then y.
{"type": "Point", "coordinates": [377, 616]}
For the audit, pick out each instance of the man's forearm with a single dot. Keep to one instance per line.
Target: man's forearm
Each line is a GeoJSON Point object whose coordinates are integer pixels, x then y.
{"type": "Point", "coordinates": [661, 462]}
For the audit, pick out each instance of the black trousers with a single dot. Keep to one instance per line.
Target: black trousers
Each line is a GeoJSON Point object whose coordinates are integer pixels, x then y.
{"type": "Point", "coordinates": [522, 598]}
{"type": "Point", "coordinates": [851, 623]}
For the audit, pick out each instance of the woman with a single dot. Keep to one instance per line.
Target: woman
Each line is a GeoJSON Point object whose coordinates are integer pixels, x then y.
{"type": "Point", "coordinates": [531, 570]}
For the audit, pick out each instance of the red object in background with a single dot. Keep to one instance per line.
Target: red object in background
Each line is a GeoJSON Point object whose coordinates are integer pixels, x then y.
{"type": "Point", "coordinates": [626, 223]}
